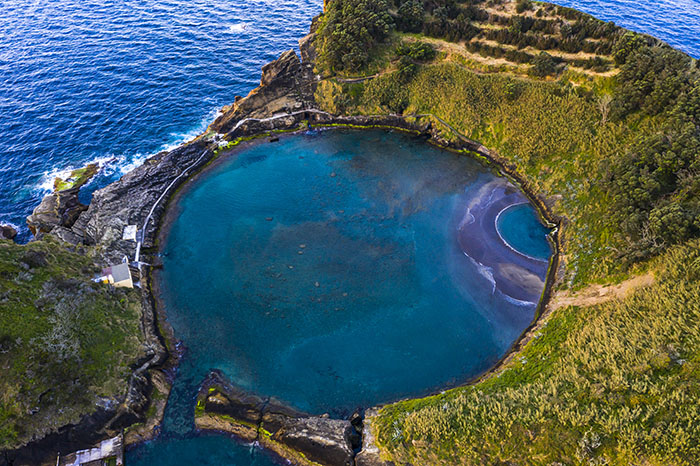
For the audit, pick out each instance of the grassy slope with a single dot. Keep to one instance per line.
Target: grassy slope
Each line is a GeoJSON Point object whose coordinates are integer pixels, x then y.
{"type": "Point", "coordinates": [617, 382]}
{"type": "Point", "coordinates": [64, 341]}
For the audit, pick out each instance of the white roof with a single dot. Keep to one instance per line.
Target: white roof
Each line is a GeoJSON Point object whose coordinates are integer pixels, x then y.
{"type": "Point", "coordinates": [130, 233]}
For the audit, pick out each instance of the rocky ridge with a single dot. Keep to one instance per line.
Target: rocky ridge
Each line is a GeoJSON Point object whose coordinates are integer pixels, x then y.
{"type": "Point", "coordinates": [305, 440]}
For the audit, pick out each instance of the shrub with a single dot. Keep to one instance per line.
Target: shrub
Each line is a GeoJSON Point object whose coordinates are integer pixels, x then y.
{"type": "Point", "coordinates": [523, 5]}
{"type": "Point", "coordinates": [543, 65]}
{"type": "Point", "coordinates": [419, 51]}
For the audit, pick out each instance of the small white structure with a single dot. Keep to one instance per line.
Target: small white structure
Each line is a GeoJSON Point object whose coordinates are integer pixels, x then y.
{"type": "Point", "coordinates": [129, 233]}
{"type": "Point", "coordinates": [118, 275]}
{"type": "Point", "coordinates": [110, 449]}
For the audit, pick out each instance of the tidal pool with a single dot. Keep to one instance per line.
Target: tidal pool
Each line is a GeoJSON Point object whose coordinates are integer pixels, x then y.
{"type": "Point", "coordinates": [339, 269]}
{"type": "Point", "coordinates": [519, 227]}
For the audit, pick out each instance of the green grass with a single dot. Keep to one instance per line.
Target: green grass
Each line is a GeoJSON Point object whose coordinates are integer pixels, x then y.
{"type": "Point", "coordinates": [66, 342]}
{"type": "Point", "coordinates": [77, 178]}
{"type": "Point", "coordinates": [615, 383]}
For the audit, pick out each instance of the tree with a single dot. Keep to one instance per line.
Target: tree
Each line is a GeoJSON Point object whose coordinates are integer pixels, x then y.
{"type": "Point", "coordinates": [349, 30]}
{"type": "Point", "coordinates": [625, 45]}
{"type": "Point", "coordinates": [523, 5]}
{"type": "Point", "coordinates": [410, 16]}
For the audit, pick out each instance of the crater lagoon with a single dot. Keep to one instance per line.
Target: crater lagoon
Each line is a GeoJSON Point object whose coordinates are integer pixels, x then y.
{"type": "Point", "coordinates": [335, 270]}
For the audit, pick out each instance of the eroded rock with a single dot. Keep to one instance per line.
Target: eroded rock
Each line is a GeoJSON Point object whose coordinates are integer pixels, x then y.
{"type": "Point", "coordinates": [285, 86]}
{"type": "Point", "coordinates": [296, 436]}
{"type": "Point", "coordinates": [369, 455]}
{"type": "Point", "coordinates": [61, 208]}
{"type": "Point", "coordinates": [7, 231]}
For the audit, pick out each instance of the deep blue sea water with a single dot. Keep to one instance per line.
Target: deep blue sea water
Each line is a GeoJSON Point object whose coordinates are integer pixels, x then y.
{"type": "Point", "coordinates": [117, 81]}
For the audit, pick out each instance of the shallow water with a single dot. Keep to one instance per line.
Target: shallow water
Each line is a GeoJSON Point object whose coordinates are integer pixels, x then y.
{"type": "Point", "coordinates": [519, 227]}
{"type": "Point", "coordinates": [328, 270]}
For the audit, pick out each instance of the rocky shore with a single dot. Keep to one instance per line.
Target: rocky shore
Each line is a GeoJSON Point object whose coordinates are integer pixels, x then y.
{"type": "Point", "coordinates": [284, 101]}
{"type": "Point", "coordinates": [305, 440]}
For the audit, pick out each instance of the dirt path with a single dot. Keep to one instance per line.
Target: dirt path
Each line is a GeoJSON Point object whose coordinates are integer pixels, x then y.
{"type": "Point", "coordinates": [597, 294]}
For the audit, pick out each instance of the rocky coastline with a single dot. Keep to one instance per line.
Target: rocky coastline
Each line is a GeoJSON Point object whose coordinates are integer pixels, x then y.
{"type": "Point", "coordinates": [284, 102]}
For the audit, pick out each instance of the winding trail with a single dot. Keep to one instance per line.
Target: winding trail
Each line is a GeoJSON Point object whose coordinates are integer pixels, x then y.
{"type": "Point", "coordinates": [599, 294]}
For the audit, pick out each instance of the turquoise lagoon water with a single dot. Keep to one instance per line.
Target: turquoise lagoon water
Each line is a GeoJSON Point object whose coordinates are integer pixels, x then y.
{"type": "Point", "coordinates": [326, 270]}
{"type": "Point", "coordinates": [519, 226]}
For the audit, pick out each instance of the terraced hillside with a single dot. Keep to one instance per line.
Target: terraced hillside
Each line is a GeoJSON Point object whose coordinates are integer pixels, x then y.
{"type": "Point", "coordinates": [604, 125]}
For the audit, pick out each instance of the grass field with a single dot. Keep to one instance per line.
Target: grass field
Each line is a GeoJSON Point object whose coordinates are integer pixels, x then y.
{"type": "Point", "coordinates": [65, 343]}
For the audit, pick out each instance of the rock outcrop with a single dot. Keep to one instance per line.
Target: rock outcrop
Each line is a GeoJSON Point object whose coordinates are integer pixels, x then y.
{"type": "Point", "coordinates": [369, 455]}
{"type": "Point", "coordinates": [287, 84]}
{"type": "Point", "coordinates": [7, 231]}
{"type": "Point", "coordinates": [300, 438]}
{"type": "Point", "coordinates": [60, 208]}
{"type": "Point", "coordinates": [131, 199]}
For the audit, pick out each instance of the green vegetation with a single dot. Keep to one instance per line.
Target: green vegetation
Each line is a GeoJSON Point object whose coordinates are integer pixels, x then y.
{"type": "Point", "coordinates": [619, 154]}
{"type": "Point", "coordinates": [349, 30]}
{"type": "Point", "coordinates": [605, 124]}
{"type": "Point", "coordinates": [617, 383]}
{"type": "Point", "coordinates": [65, 342]}
{"type": "Point", "coordinates": [77, 178]}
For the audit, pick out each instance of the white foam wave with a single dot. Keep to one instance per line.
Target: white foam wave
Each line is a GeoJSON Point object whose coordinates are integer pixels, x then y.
{"type": "Point", "coordinates": [112, 164]}
{"type": "Point", "coordinates": [484, 271]}
{"type": "Point", "coordinates": [517, 302]}
{"type": "Point", "coordinates": [238, 27]}
{"type": "Point", "coordinates": [47, 179]}
{"type": "Point", "coordinates": [468, 219]}
{"type": "Point", "coordinates": [8, 223]}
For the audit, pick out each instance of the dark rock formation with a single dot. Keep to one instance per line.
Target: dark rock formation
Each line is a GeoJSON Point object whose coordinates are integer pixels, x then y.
{"type": "Point", "coordinates": [307, 50]}
{"type": "Point", "coordinates": [298, 437]}
{"type": "Point", "coordinates": [60, 208]}
{"type": "Point", "coordinates": [7, 232]}
{"type": "Point", "coordinates": [369, 455]}
{"type": "Point", "coordinates": [129, 201]}
{"type": "Point", "coordinates": [286, 85]}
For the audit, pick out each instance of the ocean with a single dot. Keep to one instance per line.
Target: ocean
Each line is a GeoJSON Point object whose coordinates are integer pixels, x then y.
{"type": "Point", "coordinates": [118, 81]}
